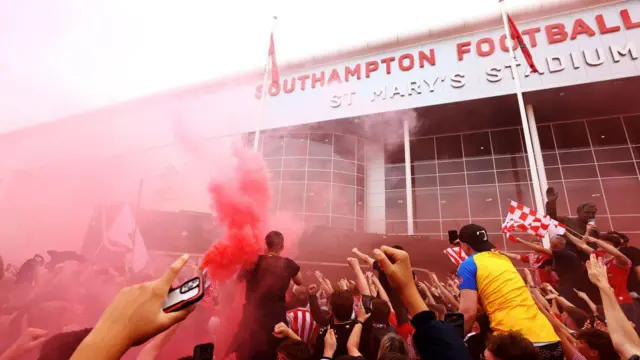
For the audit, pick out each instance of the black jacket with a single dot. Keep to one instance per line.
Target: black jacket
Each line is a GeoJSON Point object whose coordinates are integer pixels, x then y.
{"type": "Point", "coordinates": [437, 340]}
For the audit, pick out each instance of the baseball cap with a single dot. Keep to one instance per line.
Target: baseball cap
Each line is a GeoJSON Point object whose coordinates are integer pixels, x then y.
{"type": "Point", "coordinates": [476, 237]}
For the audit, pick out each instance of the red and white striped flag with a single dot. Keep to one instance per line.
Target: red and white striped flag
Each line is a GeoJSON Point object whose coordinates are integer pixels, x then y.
{"type": "Point", "coordinates": [302, 324]}
{"type": "Point", "coordinates": [517, 36]}
{"type": "Point", "coordinates": [275, 76]}
{"type": "Point", "coordinates": [456, 254]}
{"type": "Point", "coordinates": [521, 218]}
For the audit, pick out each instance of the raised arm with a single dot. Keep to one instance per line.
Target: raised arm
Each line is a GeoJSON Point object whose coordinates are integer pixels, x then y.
{"type": "Point", "coordinates": [535, 247]}
{"type": "Point", "coordinates": [448, 297]}
{"type": "Point", "coordinates": [621, 259]}
{"type": "Point", "coordinates": [579, 243]}
{"type": "Point", "coordinates": [361, 281]}
{"type": "Point", "coordinates": [318, 315]}
{"type": "Point", "coordinates": [624, 337]}
{"type": "Point", "coordinates": [511, 256]}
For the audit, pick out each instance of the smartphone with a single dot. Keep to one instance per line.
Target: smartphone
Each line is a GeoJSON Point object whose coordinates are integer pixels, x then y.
{"type": "Point", "coordinates": [453, 236]}
{"type": "Point", "coordinates": [187, 294]}
{"type": "Point", "coordinates": [203, 352]}
{"type": "Point", "coordinates": [366, 303]}
{"type": "Point", "coordinates": [457, 320]}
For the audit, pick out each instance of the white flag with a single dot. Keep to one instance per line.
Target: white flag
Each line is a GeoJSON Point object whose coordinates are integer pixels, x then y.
{"type": "Point", "coordinates": [121, 234]}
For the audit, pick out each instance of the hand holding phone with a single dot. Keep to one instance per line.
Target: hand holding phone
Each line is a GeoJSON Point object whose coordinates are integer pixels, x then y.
{"type": "Point", "coordinates": [203, 352]}
{"type": "Point", "coordinates": [187, 294]}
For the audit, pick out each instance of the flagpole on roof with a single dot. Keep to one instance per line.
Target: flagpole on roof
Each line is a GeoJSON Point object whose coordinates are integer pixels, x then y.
{"type": "Point", "coordinates": [267, 67]}
{"type": "Point", "coordinates": [533, 169]}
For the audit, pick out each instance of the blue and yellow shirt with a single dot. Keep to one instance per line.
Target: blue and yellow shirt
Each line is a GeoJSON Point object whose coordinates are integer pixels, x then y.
{"type": "Point", "coordinates": [504, 296]}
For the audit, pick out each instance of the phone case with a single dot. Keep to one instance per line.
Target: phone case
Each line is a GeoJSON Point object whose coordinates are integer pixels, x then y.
{"type": "Point", "coordinates": [187, 294]}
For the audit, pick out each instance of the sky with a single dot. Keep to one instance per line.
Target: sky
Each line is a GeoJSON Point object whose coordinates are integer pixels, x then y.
{"type": "Point", "coordinates": [64, 57]}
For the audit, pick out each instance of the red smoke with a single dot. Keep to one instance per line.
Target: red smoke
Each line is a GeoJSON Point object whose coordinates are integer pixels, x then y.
{"type": "Point", "coordinates": [241, 202]}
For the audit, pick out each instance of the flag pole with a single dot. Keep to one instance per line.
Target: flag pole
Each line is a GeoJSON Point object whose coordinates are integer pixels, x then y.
{"type": "Point", "coordinates": [533, 169]}
{"type": "Point", "coordinates": [135, 217]}
{"type": "Point", "coordinates": [256, 139]}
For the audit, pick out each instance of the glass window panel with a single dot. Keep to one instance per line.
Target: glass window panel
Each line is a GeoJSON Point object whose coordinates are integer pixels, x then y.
{"type": "Point", "coordinates": [360, 155]}
{"type": "Point", "coordinates": [395, 205]}
{"type": "Point", "coordinates": [426, 227]}
{"type": "Point", "coordinates": [318, 198]}
{"type": "Point", "coordinates": [426, 204]}
{"type": "Point", "coordinates": [360, 181]}
{"type": "Point", "coordinates": [296, 144]}
{"type": "Point", "coordinates": [511, 162]}
{"type": "Point", "coordinates": [343, 222]}
{"type": "Point", "coordinates": [492, 225]}
{"type": "Point", "coordinates": [318, 176]}
{"type": "Point", "coordinates": [420, 182]}
{"type": "Point", "coordinates": [550, 159]}
{"type": "Point", "coordinates": [428, 168]}
{"type": "Point", "coordinates": [423, 149]}
{"type": "Point", "coordinates": [614, 154]}
{"type": "Point", "coordinates": [344, 178]}
{"type": "Point", "coordinates": [479, 164]}
{"type": "Point", "coordinates": [512, 176]}
{"type": "Point", "coordinates": [571, 135]}
{"type": "Point", "coordinates": [316, 220]}
{"type": "Point", "coordinates": [294, 163]}
{"type": "Point", "coordinates": [483, 202]}
{"type": "Point", "coordinates": [360, 225]}
{"type": "Point", "coordinates": [343, 200]}
{"type": "Point", "coordinates": [360, 169]}
{"type": "Point", "coordinates": [344, 166]}
{"type": "Point", "coordinates": [626, 223]}
{"type": "Point", "coordinates": [576, 157]}
{"type": "Point", "coordinates": [632, 124]}
{"type": "Point", "coordinates": [636, 152]}
{"type": "Point", "coordinates": [546, 138]}
{"type": "Point", "coordinates": [516, 192]}
{"type": "Point", "coordinates": [476, 144]}
{"type": "Point", "coordinates": [396, 227]}
{"type": "Point", "coordinates": [449, 147]}
{"type": "Point", "coordinates": [561, 204]}
{"type": "Point", "coordinates": [553, 173]}
{"type": "Point", "coordinates": [344, 147]}
{"type": "Point", "coordinates": [453, 203]}
{"type": "Point", "coordinates": [394, 170]}
{"type": "Point", "coordinates": [321, 145]}
{"type": "Point", "coordinates": [319, 164]}
{"type": "Point", "coordinates": [452, 224]}
{"type": "Point", "coordinates": [292, 197]}
{"type": "Point", "coordinates": [275, 175]}
{"type": "Point", "coordinates": [606, 132]}
{"type": "Point", "coordinates": [617, 169]}
{"type": "Point", "coordinates": [293, 175]}
{"type": "Point", "coordinates": [273, 164]}
{"type": "Point", "coordinates": [275, 195]}
{"type": "Point", "coordinates": [623, 195]}
{"type": "Point", "coordinates": [395, 184]}
{"type": "Point", "coordinates": [449, 167]}
{"type": "Point", "coordinates": [360, 200]}
{"type": "Point", "coordinates": [481, 178]}
{"type": "Point", "coordinates": [451, 180]}
{"type": "Point", "coordinates": [583, 191]}
{"type": "Point", "coordinates": [579, 172]}
{"type": "Point", "coordinates": [394, 153]}
{"type": "Point", "coordinates": [506, 141]}
{"type": "Point", "coordinates": [273, 146]}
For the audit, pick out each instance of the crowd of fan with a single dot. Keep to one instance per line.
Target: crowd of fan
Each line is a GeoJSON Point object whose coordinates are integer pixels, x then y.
{"type": "Point", "coordinates": [577, 299]}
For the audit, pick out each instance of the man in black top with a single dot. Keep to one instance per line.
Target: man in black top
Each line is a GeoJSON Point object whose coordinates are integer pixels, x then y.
{"type": "Point", "coordinates": [267, 283]}
{"type": "Point", "coordinates": [338, 319]}
{"type": "Point", "coordinates": [570, 270]}
{"type": "Point", "coordinates": [586, 213]}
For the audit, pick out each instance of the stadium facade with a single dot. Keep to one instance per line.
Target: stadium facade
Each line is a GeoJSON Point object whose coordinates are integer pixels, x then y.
{"type": "Point", "coordinates": [417, 135]}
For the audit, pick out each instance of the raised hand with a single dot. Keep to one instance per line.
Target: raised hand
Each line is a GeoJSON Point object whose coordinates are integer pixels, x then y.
{"type": "Point", "coordinates": [396, 264]}
{"type": "Point", "coordinates": [597, 272]}
{"type": "Point", "coordinates": [364, 257]}
{"type": "Point", "coordinates": [313, 289]}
